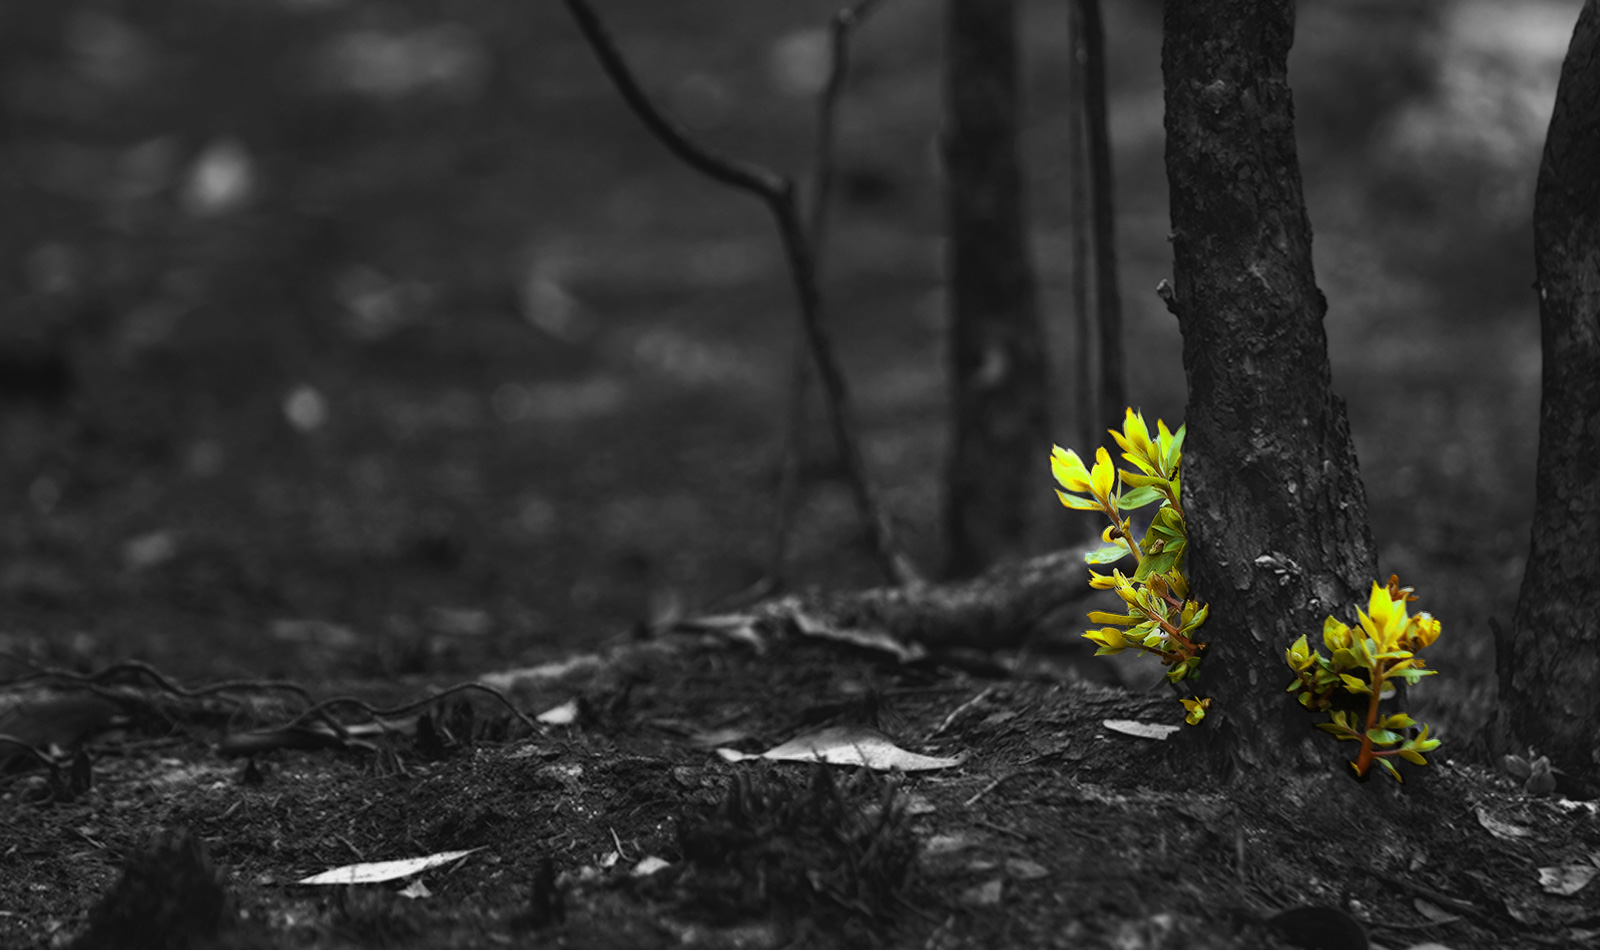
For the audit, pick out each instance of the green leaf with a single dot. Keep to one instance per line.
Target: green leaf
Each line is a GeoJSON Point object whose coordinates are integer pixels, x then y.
{"type": "Point", "coordinates": [1346, 659]}
{"type": "Point", "coordinates": [1389, 767]}
{"type": "Point", "coordinates": [1109, 651]}
{"type": "Point", "coordinates": [1170, 519]}
{"type": "Point", "coordinates": [1077, 501]}
{"type": "Point", "coordinates": [1156, 564]}
{"type": "Point", "coordinates": [1198, 619]}
{"type": "Point", "coordinates": [1155, 641]}
{"type": "Point", "coordinates": [1107, 554]}
{"type": "Point", "coordinates": [1383, 736]}
{"type": "Point", "coordinates": [1337, 731]}
{"type": "Point", "coordinates": [1413, 675]}
{"type": "Point", "coordinates": [1175, 450]}
{"type": "Point", "coordinates": [1413, 756]}
{"type": "Point", "coordinates": [1397, 721]}
{"type": "Point", "coordinates": [1137, 498]}
{"type": "Point", "coordinates": [1122, 620]}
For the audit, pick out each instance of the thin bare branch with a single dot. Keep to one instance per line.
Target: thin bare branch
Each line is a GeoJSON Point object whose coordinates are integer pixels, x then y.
{"type": "Point", "coordinates": [840, 27]}
{"type": "Point", "coordinates": [731, 172]}
{"type": "Point", "coordinates": [778, 193]}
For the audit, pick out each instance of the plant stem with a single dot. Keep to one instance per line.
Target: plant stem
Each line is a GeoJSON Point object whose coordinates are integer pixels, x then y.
{"type": "Point", "coordinates": [1364, 761]}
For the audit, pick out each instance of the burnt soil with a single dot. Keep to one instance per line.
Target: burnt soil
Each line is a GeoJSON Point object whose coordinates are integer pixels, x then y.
{"type": "Point", "coordinates": [1052, 830]}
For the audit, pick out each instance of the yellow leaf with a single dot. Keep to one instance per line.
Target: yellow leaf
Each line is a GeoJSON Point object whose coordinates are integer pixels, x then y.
{"type": "Point", "coordinates": [1069, 470]}
{"type": "Point", "coordinates": [1104, 475]}
{"type": "Point", "coordinates": [1138, 433]}
{"type": "Point", "coordinates": [1335, 635]}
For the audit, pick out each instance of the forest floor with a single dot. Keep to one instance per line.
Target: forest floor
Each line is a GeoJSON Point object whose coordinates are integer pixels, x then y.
{"type": "Point", "coordinates": [1018, 808]}
{"type": "Point", "coordinates": [320, 370]}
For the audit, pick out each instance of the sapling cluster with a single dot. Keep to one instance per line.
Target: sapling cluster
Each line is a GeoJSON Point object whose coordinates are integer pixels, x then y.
{"type": "Point", "coordinates": [1161, 618]}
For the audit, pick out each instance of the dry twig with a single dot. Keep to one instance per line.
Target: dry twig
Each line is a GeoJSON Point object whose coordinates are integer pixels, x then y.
{"type": "Point", "coordinates": [778, 194]}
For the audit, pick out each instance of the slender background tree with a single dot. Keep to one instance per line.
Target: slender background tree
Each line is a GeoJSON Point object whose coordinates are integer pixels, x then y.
{"type": "Point", "coordinates": [1549, 662]}
{"type": "Point", "coordinates": [998, 364]}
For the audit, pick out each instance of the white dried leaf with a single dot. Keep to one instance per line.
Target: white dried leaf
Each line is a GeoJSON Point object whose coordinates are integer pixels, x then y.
{"type": "Point", "coordinates": [846, 745]}
{"type": "Point", "coordinates": [1566, 880]}
{"type": "Point", "coordinates": [1143, 730]}
{"type": "Point", "coordinates": [374, 872]}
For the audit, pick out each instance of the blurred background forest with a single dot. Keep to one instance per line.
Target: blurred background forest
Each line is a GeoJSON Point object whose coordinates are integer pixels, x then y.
{"type": "Point", "coordinates": [365, 337]}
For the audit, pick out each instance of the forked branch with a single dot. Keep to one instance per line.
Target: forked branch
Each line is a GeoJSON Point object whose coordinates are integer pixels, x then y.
{"type": "Point", "coordinates": [777, 192]}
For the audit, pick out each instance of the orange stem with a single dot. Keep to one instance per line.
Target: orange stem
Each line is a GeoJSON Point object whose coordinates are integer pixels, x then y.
{"type": "Point", "coordinates": [1364, 761]}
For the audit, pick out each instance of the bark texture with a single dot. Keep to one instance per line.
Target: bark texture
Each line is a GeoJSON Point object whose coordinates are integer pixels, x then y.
{"type": "Point", "coordinates": [1276, 511]}
{"type": "Point", "coordinates": [994, 505]}
{"type": "Point", "coordinates": [1550, 665]}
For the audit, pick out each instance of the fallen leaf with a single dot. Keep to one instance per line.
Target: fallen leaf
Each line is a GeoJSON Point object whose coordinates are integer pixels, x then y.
{"type": "Point", "coordinates": [563, 715]}
{"type": "Point", "coordinates": [846, 745]}
{"type": "Point", "coordinates": [945, 844]}
{"type": "Point", "coordinates": [416, 890]}
{"type": "Point", "coordinates": [1566, 880]}
{"type": "Point", "coordinates": [1434, 912]}
{"type": "Point", "coordinates": [649, 866]}
{"type": "Point", "coordinates": [373, 872]}
{"type": "Point", "coordinates": [1503, 830]}
{"type": "Point", "coordinates": [1024, 870]}
{"type": "Point", "coordinates": [1143, 730]}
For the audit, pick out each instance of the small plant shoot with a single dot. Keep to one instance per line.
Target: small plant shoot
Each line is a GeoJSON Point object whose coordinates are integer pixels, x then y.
{"type": "Point", "coordinates": [1158, 616]}
{"type": "Point", "coordinates": [1365, 661]}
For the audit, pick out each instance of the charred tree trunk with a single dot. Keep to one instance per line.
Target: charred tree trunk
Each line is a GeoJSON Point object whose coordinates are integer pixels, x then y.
{"type": "Point", "coordinates": [1550, 668]}
{"type": "Point", "coordinates": [1276, 511]}
{"type": "Point", "coordinates": [993, 505]}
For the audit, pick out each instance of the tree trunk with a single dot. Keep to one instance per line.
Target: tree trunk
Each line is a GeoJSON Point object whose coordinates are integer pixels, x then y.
{"type": "Point", "coordinates": [1276, 511]}
{"type": "Point", "coordinates": [993, 504]}
{"type": "Point", "coordinates": [1091, 424]}
{"type": "Point", "coordinates": [1108, 295]}
{"type": "Point", "coordinates": [1550, 668]}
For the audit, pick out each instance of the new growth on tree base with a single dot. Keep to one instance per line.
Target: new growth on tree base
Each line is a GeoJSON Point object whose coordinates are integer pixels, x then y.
{"type": "Point", "coordinates": [1382, 646]}
{"type": "Point", "coordinates": [1161, 617]}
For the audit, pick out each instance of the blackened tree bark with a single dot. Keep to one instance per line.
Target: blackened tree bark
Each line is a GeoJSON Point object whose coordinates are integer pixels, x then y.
{"type": "Point", "coordinates": [993, 507]}
{"type": "Point", "coordinates": [1549, 665]}
{"type": "Point", "coordinates": [1275, 506]}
